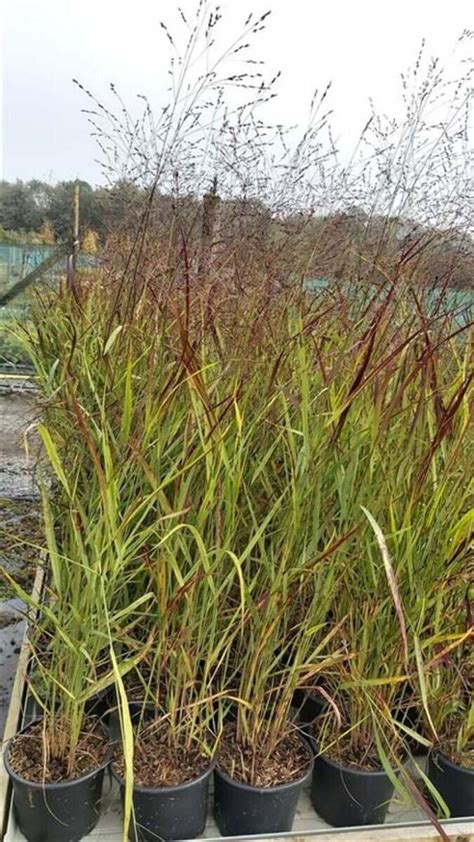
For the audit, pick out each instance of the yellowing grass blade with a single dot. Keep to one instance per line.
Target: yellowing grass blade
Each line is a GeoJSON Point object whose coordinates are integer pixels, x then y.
{"type": "Point", "coordinates": [392, 579]}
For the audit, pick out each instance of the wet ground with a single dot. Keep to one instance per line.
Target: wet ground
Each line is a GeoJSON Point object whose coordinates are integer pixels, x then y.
{"type": "Point", "coordinates": [19, 523]}
{"type": "Point", "coordinates": [16, 463]}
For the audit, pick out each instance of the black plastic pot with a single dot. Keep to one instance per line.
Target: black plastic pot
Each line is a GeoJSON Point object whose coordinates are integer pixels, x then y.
{"type": "Point", "coordinates": [174, 812]}
{"type": "Point", "coordinates": [298, 698]}
{"type": "Point", "coordinates": [308, 734]}
{"type": "Point", "coordinates": [349, 797]}
{"type": "Point", "coordinates": [454, 783]}
{"type": "Point", "coordinates": [412, 718]}
{"type": "Point", "coordinates": [241, 809]}
{"type": "Point", "coordinates": [62, 812]}
{"type": "Point", "coordinates": [138, 709]}
{"type": "Point", "coordinates": [313, 706]}
{"type": "Point", "coordinates": [141, 712]}
{"type": "Point", "coordinates": [97, 706]}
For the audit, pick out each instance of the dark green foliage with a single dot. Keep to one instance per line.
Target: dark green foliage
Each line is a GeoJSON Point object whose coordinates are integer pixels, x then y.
{"type": "Point", "coordinates": [26, 206]}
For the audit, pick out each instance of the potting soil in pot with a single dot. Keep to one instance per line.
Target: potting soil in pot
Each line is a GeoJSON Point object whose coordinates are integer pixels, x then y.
{"type": "Point", "coordinates": [158, 764]}
{"type": "Point", "coordinates": [26, 755]}
{"type": "Point", "coordinates": [287, 762]}
{"type": "Point", "coordinates": [258, 792]}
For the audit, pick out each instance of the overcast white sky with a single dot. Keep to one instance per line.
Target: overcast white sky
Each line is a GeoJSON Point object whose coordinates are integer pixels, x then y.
{"type": "Point", "coordinates": [361, 45]}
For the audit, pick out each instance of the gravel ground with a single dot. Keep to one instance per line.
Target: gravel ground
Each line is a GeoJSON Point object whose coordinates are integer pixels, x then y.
{"type": "Point", "coordinates": [19, 518]}
{"type": "Point", "coordinates": [16, 474]}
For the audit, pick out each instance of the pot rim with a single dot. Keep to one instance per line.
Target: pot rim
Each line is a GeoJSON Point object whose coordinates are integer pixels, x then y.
{"type": "Point", "coordinates": [436, 753]}
{"type": "Point", "coordinates": [50, 785]}
{"type": "Point", "coordinates": [165, 789]}
{"type": "Point", "coordinates": [351, 770]}
{"type": "Point", "coordinates": [278, 787]}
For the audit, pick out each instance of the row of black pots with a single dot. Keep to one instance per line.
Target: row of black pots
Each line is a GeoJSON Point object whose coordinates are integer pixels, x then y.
{"type": "Point", "coordinates": [68, 811]}
{"type": "Point", "coordinates": [342, 796]}
{"type": "Point", "coordinates": [239, 809]}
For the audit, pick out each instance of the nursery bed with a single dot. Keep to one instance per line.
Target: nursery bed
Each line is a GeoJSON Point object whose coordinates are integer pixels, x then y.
{"type": "Point", "coordinates": [403, 823]}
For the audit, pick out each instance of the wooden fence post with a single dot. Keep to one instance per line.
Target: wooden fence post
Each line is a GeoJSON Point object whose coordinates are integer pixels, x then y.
{"type": "Point", "coordinates": [210, 202]}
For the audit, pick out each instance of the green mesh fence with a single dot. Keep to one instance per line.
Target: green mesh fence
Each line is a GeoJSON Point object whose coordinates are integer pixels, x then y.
{"type": "Point", "coordinates": [17, 261]}
{"type": "Point", "coordinates": [460, 302]}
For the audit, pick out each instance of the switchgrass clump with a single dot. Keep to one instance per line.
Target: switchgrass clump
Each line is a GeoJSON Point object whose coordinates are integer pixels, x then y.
{"type": "Point", "coordinates": [273, 527]}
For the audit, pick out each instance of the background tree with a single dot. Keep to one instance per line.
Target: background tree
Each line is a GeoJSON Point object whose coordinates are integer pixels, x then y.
{"type": "Point", "coordinates": [17, 212]}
